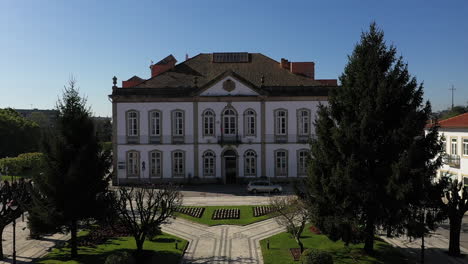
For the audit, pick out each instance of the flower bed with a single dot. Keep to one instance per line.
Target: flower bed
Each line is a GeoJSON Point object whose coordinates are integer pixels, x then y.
{"type": "Point", "coordinates": [315, 230]}
{"type": "Point", "coordinates": [196, 212]}
{"type": "Point", "coordinates": [261, 210]}
{"type": "Point", "coordinates": [296, 253]}
{"type": "Point", "coordinates": [220, 214]}
{"type": "Point", "coordinates": [99, 235]}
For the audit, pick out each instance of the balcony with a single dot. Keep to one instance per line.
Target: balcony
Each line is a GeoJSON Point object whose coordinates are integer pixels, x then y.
{"type": "Point", "coordinates": [451, 160]}
{"type": "Point", "coordinates": [229, 140]}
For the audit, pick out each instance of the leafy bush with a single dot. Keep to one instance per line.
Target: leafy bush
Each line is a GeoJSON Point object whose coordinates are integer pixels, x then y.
{"type": "Point", "coordinates": [23, 163]}
{"type": "Point", "coordinates": [106, 146]}
{"type": "Point", "coordinates": [315, 256]}
{"type": "Point", "coordinates": [120, 258]}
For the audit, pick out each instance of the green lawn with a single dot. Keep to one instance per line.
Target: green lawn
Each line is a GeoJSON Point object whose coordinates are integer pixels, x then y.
{"type": "Point", "coordinates": [281, 243]}
{"type": "Point", "coordinates": [246, 216]}
{"type": "Point", "coordinates": [164, 245]}
{"type": "Point", "coordinates": [15, 177]}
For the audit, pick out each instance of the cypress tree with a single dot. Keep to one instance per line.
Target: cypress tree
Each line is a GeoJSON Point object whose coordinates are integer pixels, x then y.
{"type": "Point", "coordinates": [76, 168]}
{"type": "Point", "coordinates": [363, 165]}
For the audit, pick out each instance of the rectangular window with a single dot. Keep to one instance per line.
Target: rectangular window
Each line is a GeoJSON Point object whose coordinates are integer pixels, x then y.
{"type": "Point", "coordinates": [209, 164]}
{"type": "Point", "coordinates": [454, 147]}
{"type": "Point", "coordinates": [155, 164]}
{"type": "Point", "coordinates": [250, 163]}
{"type": "Point", "coordinates": [208, 124]}
{"type": "Point", "coordinates": [281, 163]}
{"type": "Point", "coordinates": [133, 161]}
{"type": "Point", "coordinates": [178, 162]}
{"type": "Point", "coordinates": [302, 163]}
{"type": "Point", "coordinates": [155, 123]}
{"type": "Point", "coordinates": [465, 147]}
{"type": "Point", "coordinates": [304, 122]}
{"type": "Point", "coordinates": [132, 123]}
{"type": "Point", "coordinates": [281, 125]}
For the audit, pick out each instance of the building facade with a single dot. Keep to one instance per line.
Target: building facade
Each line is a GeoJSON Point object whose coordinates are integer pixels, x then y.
{"type": "Point", "coordinates": [220, 117]}
{"type": "Point", "coordinates": [454, 134]}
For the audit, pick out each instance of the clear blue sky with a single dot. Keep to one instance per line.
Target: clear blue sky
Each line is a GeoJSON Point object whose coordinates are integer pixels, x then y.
{"type": "Point", "coordinates": [43, 42]}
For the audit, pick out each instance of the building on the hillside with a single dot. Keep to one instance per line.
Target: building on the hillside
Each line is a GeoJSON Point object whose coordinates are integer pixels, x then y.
{"type": "Point", "coordinates": [454, 134]}
{"type": "Point", "coordinates": [44, 117]}
{"type": "Point", "coordinates": [220, 117]}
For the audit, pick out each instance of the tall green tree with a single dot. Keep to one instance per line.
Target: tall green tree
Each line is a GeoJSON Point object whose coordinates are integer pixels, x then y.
{"type": "Point", "coordinates": [76, 168]}
{"type": "Point", "coordinates": [17, 134]}
{"type": "Point", "coordinates": [361, 168]}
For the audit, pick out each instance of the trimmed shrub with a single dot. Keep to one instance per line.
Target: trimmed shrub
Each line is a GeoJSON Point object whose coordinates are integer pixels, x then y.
{"type": "Point", "coordinates": [120, 258]}
{"type": "Point", "coordinates": [23, 163]}
{"type": "Point", "coordinates": [315, 256]}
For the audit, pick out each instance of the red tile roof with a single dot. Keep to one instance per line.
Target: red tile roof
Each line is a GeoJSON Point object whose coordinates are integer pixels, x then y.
{"type": "Point", "coordinates": [459, 121]}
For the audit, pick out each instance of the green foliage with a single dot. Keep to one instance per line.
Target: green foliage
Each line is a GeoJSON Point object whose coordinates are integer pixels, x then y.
{"type": "Point", "coordinates": [106, 146]}
{"type": "Point", "coordinates": [315, 256]}
{"type": "Point", "coordinates": [17, 134]}
{"type": "Point", "coordinates": [371, 161]}
{"type": "Point", "coordinates": [120, 258]}
{"type": "Point", "coordinates": [75, 168]}
{"type": "Point", "coordinates": [451, 112]}
{"type": "Point", "coordinates": [23, 164]}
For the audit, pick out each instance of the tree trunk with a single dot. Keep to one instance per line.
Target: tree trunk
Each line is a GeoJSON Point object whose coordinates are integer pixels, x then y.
{"type": "Point", "coordinates": [369, 236]}
{"type": "Point", "coordinates": [139, 244]}
{"type": "Point", "coordinates": [454, 243]}
{"type": "Point", "coordinates": [73, 242]}
{"type": "Point", "coordinates": [389, 231]}
{"type": "Point", "coordinates": [299, 242]}
{"type": "Point", "coordinates": [1, 242]}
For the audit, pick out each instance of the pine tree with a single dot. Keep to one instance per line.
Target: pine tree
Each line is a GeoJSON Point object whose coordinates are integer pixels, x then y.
{"type": "Point", "coordinates": [360, 171]}
{"type": "Point", "coordinates": [76, 169]}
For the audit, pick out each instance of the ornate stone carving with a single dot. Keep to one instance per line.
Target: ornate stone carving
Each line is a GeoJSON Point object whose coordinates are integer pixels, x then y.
{"type": "Point", "coordinates": [229, 85]}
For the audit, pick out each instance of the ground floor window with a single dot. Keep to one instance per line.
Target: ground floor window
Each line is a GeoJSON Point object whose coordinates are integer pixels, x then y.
{"type": "Point", "coordinates": [133, 161]}
{"type": "Point", "coordinates": [155, 164]}
{"type": "Point", "coordinates": [209, 163]}
{"type": "Point", "coordinates": [178, 164]}
{"type": "Point", "coordinates": [250, 160]}
{"type": "Point", "coordinates": [302, 157]}
{"type": "Point", "coordinates": [281, 163]}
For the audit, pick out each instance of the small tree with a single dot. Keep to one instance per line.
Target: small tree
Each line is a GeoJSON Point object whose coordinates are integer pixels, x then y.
{"type": "Point", "coordinates": [143, 210]}
{"type": "Point", "coordinates": [16, 192]}
{"type": "Point", "coordinates": [293, 214]}
{"type": "Point", "coordinates": [456, 205]}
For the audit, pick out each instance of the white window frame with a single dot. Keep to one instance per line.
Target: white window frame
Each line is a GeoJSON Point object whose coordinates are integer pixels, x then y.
{"type": "Point", "coordinates": [281, 163]}
{"type": "Point", "coordinates": [133, 163]}
{"type": "Point", "coordinates": [454, 146]}
{"type": "Point", "coordinates": [302, 158]}
{"type": "Point", "coordinates": [178, 123]}
{"type": "Point", "coordinates": [281, 122]}
{"type": "Point", "coordinates": [209, 118]}
{"type": "Point", "coordinates": [178, 163]}
{"type": "Point", "coordinates": [155, 123]}
{"type": "Point", "coordinates": [303, 122]}
{"type": "Point", "coordinates": [250, 122]}
{"type": "Point", "coordinates": [209, 164]}
{"type": "Point", "coordinates": [155, 158]}
{"type": "Point", "coordinates": [230, 120]}
{"type": "Point", "coordinates": [250, 163]}
{"type": "Point", "coordinates": [133, 123]}
{"type": "Point", "coordinates": [465, 146]}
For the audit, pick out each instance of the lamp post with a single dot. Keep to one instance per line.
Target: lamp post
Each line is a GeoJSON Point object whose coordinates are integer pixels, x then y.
{"type": "Point", "coordinates": [13, 206]}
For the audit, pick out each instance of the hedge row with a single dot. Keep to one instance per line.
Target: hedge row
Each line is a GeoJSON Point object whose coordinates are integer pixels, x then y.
{"type": "Point", "coordinates": [23, 163]}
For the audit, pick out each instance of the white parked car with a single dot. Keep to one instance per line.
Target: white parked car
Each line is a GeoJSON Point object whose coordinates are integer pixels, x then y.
{"type": "Point", "coordinates": [263, 186]}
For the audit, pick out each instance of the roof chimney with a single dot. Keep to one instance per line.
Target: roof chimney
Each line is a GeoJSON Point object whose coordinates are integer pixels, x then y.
{"type": "Point", "coordinates": [306, 69]}
{"type": "Point", "coordinates": [284, 63]}
{"type": "Point", "coordinates": [163, 65]}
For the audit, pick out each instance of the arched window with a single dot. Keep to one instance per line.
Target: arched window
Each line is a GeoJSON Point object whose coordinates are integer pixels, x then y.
{"type": "Point", "coordinates": [178, 163]}
{"type": "Point", "coordinates": [302, 158]}
{"type": "Point", "coordinates": [133, 163]}
{"type": "Point", "coordinates": [229, 122]}
{"type": "Point", "coordinates": [250, 126]}
{"type": "Point", "coordinates": [155, 123]}
{"type": "Point", "coordinates": [208, 123]}
{"type": "Point", "coordinates": [303, 122]}
{"type": "Point", "coordinates": [155, 158]}
{"type": "Point", "coordinates": [250, 163]}
{"type": "Point", "coordinates": [281, 163]}
{"type": "Point", "coordinates": [209, 164]}
{"type": "Point", "coordinates": [133, 123]}
{"type": "Point", "coordinates": [281, 122]}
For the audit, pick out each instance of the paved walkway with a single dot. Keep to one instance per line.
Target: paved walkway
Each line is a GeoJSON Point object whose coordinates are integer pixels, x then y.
{"type": "Point", "coordinates": [223, 243]}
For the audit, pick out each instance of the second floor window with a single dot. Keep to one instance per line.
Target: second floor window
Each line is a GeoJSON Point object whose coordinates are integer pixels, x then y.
{"type": "Point", "coordinates": [281, 125]}
{"type": "Point", "coordinates": [454, 146]}
{"type": "Point", "coordinates": [229, 122]}
{"type": "Point", "coordinates": [465, 147]}
{"type": "Point", "coordinates": [178, 123]}
{"type": "Point", "coordinates": [132, 123]}
{"type": "Point", "coordinates": [208, 123]}
{"type": "Point", "coordinates": [303, 121]}
{"type": "Point", "coordinates": [249, 123]}
{"type": "Point", "coordinates": [155, 123]}
{"type": "Point", "coordinates": [155, 164]}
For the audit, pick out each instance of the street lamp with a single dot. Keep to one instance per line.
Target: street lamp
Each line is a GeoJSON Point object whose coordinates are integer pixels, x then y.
{"type": "Point", "coordinates": [13, 206]}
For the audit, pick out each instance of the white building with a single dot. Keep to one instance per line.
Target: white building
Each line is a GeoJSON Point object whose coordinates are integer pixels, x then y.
{"type": "Point", "coordinates": [454, 134]}
{"type": "Point", "coordinates": [221, 117]}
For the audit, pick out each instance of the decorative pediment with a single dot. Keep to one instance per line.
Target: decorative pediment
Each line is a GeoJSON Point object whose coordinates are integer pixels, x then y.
{"type": "Point", "coordinates": [229, 85]}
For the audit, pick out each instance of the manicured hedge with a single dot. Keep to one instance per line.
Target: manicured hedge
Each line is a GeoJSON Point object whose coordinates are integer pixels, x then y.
{"type": "Point", "coordinates": [23, 163]}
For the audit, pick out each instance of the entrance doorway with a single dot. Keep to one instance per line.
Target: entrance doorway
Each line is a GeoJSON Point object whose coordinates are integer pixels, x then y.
{"type": "Point", "coordinates": [230, 166]}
